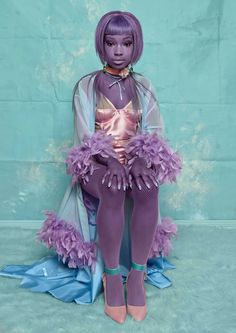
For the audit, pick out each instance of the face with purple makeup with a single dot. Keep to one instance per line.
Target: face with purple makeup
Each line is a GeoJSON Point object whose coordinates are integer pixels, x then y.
{"type": "Point", "coordinates": [118, 49]}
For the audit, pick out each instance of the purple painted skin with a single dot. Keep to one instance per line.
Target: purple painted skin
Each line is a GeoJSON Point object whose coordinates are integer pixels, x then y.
{"type": "Point", "coordinates": [105, 183]}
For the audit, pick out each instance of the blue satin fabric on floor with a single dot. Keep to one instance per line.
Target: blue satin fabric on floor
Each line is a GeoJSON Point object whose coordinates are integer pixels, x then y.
{"type": "Point", "coordinates": [50, 275]}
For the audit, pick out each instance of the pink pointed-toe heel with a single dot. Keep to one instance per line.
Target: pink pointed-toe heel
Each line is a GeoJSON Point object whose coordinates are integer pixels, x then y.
{"type": "Point", "coordinates": [117, 313]}
{"type": "Point", "coordinates": [137, 312]}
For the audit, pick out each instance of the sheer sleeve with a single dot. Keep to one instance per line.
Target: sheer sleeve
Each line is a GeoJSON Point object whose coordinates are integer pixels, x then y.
{"type": "Point", "coordinates": [150, 143]}
{"type": "Point", "coordinates": [87, 142]}
{"type": "Point", "coordinates": [153, 121]}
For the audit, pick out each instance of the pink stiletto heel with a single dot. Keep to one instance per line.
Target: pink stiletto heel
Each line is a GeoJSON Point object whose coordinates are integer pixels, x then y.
{"type": "Point", "coordinates": [137, 312]}
{"type": "Point", "coordinates": [117, 313]}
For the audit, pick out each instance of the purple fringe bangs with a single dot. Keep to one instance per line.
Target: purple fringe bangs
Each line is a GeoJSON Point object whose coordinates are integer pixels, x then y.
{"type": "Point", "coordinates": [161, 243]}
{"type": "Point", "coordinates": [67, 241]}
{"type": "Point", "coordinates": [79, 162]}
{"type": "Point", "coordinates": [69, 244]}
{"type": "Point", "coordinates": [157, 153]}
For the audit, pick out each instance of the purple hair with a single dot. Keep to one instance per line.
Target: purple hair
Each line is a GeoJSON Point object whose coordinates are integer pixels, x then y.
{"type": "Point", "coordinates": [118, 23]}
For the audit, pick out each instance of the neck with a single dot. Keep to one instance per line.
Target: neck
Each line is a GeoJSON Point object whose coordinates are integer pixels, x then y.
{"type": "Point", "coordinates": [114, 71]}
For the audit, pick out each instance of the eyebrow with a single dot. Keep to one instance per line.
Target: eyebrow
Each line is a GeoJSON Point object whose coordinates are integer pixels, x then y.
{"type": "Point", "coordinates": [128, 37]}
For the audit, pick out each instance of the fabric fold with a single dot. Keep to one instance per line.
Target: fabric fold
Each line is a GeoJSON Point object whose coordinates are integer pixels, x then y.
{"type": "Point", "coordinates": [50, 275]}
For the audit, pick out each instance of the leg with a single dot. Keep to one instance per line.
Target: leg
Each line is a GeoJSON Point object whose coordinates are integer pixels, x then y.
{"type": "Point", "coordinates": [110, 225]}
{"type": "Point", "coordinates": [143, 224]}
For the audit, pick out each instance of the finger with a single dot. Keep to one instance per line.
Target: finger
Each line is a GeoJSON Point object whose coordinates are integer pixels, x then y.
{"type": "Point", "coordinates": [110, 179]}
{"type": "Point", "coordinates": [154, 176]}
{"type": "Point", "coordinates": [124, 182]}
{"type": "Point", "coordinates": [154, 180]}
{"type": "Point", "coordinates": [106, 174]}
{"type": "Point", "coordinates": [130, 180]}
{"type": "Point", "coordinates": [145, 180]}
{"type": "Point", "coordinates": [118, 181]}
{"type": "Point", "coordinates": [137, 179]}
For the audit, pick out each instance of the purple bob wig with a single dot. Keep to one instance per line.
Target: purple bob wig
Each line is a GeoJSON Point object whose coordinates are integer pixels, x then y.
{"type": "Point", "coordinates": [118, 23]}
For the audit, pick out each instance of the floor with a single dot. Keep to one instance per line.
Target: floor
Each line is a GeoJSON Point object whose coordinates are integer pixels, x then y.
{"type": "Point", "coordinates": [201, 299]}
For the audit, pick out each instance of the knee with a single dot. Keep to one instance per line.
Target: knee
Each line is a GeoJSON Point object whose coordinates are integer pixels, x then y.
{"type": "Point", "coordinates": [146, 195]}
{"type": "Point", "coordinates": [112, 195]}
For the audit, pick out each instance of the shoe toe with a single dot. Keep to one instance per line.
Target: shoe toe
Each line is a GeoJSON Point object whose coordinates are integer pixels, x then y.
{"type": "Point", "coordinates": [137, 312]}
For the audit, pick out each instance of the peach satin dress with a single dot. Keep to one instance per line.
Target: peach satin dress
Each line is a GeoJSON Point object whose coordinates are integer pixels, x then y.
{"type": "Point", "coordinates": [122, 123]}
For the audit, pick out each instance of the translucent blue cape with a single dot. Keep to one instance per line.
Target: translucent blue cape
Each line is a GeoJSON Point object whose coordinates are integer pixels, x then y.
{"type": "Point", "coordinates": [81, 284]}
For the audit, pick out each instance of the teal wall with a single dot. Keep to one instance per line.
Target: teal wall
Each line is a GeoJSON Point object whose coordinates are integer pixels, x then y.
{"type": "Point", "coordinates": [189, 54]}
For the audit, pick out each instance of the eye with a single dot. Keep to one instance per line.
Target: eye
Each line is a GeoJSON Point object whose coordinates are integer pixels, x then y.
{"type": "Point", "coordinates": [128, 43]}
{"type": "Point", "coordinates": [109, 43]}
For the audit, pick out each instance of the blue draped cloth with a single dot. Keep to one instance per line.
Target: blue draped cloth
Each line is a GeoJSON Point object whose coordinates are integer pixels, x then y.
{"type": "Point", "coordinates": [49, 274]}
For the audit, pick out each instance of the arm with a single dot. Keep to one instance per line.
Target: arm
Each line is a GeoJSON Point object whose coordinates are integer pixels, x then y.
{"type": "Point", "coordinates": [87, 143]}
{"type": "Point", "coordinates": [149, 143]}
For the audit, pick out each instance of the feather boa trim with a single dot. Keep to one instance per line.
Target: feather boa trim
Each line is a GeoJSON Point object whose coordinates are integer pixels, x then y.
{"type": "Point", "coordinates": [67, 241]}
{"type": "Point", "coordinates": [161, 244]}
{"type": "Point", "coordinates": [79, 161]}
{"type": "Point", "coordinates": [69, 244]}
{"type": "Point", "coordinates": [157, 153]}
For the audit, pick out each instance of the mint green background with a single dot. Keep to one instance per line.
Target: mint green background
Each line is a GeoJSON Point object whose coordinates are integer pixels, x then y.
{"type": "Point", "coordinates": [189, 54]}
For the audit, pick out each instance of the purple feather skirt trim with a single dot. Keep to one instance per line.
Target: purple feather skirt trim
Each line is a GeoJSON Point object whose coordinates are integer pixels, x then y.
{"type": "Point", "coordinates": [157, 153]}
{"type": "Point", "coordinates": [69, 244]}
{"type": "Point", "coordinates": [161, 244]}
{"type": "Point", "coordinates": [79, 161]}
{"type": "Point", "coordinates": [67, 241]}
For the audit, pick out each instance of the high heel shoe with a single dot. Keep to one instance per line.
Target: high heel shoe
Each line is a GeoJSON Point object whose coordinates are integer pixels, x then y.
{"type": "Point", "coordinates": [136, 311]}
{"type": "Point", "coordinates": [117, 313]}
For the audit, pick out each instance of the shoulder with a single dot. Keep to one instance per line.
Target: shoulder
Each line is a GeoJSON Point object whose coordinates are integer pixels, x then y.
{"type": "Point", "coordinates": [85, 81]}
{"type": "Point", "coordinates": [142, 79]}
{"type": "Point", "coordinates": [144, 85]}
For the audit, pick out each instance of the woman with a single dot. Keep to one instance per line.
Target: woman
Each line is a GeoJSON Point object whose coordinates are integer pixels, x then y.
{"type": "Point", "coordinates": [119, 159]}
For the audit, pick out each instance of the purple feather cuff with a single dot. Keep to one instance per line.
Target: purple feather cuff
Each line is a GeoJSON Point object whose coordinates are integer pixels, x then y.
{"type": "Point", "coordinates": [161, 244]}
{"type": "Point", "coordinates": [79, 159]}
{"type": "Point", "coordinates": [157, 153]}
{"type": "Point", "coordinates": [68, 242]}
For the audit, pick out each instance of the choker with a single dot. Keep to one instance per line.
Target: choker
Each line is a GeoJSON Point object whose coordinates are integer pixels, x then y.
{"type": "Point", "coordinates": [122, 74]}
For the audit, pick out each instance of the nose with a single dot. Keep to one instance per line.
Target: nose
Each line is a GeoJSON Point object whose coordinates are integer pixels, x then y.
{"type": "Point", "coordinates": [118, 50]}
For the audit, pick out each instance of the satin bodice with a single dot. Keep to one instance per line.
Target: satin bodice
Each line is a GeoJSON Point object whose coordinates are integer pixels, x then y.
{"type": "Point", "coordinates": [120, 123]}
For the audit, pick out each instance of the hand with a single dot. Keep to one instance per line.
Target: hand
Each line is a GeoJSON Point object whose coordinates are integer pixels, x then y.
{"type": "Point", "coordinates": [139, 169]}
{"type": "Point", "coordinates": [115, 168]}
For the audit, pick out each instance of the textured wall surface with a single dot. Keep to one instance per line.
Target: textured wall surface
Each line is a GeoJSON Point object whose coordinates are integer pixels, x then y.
{"type": "Point", "coordinates": [189, 54]}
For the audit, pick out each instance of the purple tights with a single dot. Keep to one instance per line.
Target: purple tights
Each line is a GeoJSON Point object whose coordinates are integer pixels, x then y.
{"type": "Point", "coordinates": [110, 226]}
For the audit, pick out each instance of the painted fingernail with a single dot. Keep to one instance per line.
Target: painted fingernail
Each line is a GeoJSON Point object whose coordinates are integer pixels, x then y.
{"type": "Point", "coordinates": [103, 181]}
{"type": "Point", "coordinates": [109, 184]}
{"type": "Point", "coordinates": [118, 186]}
{"type": "Point", "coordinates": [124, 187]}
{"type": "Point", "coordinates": [139, 187]}
{"type": "Point", "coordinates": [148, 186]}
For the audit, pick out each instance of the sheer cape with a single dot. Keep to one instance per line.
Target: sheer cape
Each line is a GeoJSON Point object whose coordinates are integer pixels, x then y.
{"type": "Point", "coordinates": [74, 272]}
